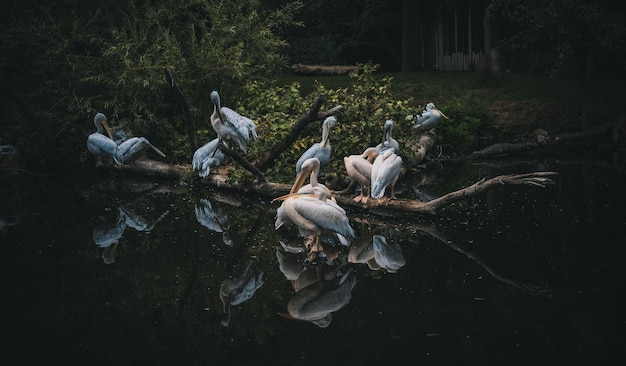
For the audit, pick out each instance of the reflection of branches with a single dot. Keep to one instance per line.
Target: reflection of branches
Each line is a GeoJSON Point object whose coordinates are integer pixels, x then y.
{"type": "Point", "coordinates": [432, 231]}
{"type": "Point", "coordinates": [515, 282]}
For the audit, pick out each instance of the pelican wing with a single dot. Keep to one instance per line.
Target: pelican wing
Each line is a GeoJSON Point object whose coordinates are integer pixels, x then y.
{"type": "Point", "coordinates": [243, 125]}
{"type": "Point", "coordinates": [99, 144]}
{"type": "Point", "coordinates": [315, 151]}
{"type": "Point", "coordinates": [206, 157]}
{"type": "Point", "coordinates": [385, 171]}
{"type": "Point", "coordinates": [315, 215]}
{"type": "Point", "coordinates": [358, 168]}
{"type": "Point", "coordinates": [131, 148]}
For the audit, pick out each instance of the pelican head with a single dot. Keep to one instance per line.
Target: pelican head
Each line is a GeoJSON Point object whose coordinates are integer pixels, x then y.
{"type": "Point", "coordinates": [215, 98]}
{"type": "Point", "coordinates": [100, 120]}
{"type": "Point", "coordinates": [330, 121]}
{"type": "Point", "coordinates": [431, 106]}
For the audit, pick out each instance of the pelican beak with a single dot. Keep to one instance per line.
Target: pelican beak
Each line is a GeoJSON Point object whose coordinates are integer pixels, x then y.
{"type": "Point", "coordinates": [158, 151]}
{"type": "Point", "coordinates": [292, 195]}
{"type": "Point", "coordinates": [444, 116]}
{"type": "Point", "coordinates": [299, 181]}
{"type": "Point", "coordinates": [107, 129]}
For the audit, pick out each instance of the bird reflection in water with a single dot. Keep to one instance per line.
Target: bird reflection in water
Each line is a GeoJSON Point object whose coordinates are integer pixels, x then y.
{"type": "Point", "coordinates": [215, 218]}
{"type": "Point", "coordinates": [377, 254]}
{"type": "Point", "coordinates": [238, 289]}
{"type": "Point", "coordinates": [108, 235]}
{"type": "Point", "coordinates": [319, 290]}
{"type": "Point", "coordinates": [7, 221]}
{"type": "Point", "coordinates": [8, 150]}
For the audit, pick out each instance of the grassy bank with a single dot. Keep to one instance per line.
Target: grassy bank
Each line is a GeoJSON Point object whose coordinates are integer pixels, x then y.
{"type": "Point", "coordinates": [514, 105]}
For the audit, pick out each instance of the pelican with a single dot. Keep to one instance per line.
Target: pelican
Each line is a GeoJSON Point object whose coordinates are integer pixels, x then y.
{"type": "Point", "coordinates": [206, 157]}
{"type": "Point", "coordinates": [100, 144]}
{"type": "Point", "coordinates": [387, 136]}
{"type": "Point", "coordinates": [359, 169]}
{"type": "Point", "coordinates": [314, 215]}
{"type": "Point", "coordinates": [8, 150]}
{"type": "Point", "coordinates": [429, 118]}
{"type": "Point", "coordinates": [320, 150]}
{"type": "Point", "coordinates": [385, 173]}
{"type": "Point", "coordinates": [230, 126]}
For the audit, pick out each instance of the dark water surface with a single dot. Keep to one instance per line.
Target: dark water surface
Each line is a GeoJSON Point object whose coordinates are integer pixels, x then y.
{"type": "Point", "coordinates": [518, 275]}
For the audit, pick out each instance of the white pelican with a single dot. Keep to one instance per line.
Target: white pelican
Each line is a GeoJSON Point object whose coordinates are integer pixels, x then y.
{"type": "Point", "coordinates": [100, 144]}
{"type": "Point", "coordinates": [103, 145]}
{"type": "Point", "coordinates": [359, 169]}
{"type": "Point", "coordinates": [231, 127]}
{"type": "Point", "coordinates": [314, 215]}
{"type": "Point", "coordinates": [385, 173]}
{"type": "Point", "coordinates": [429, 118]}
{"type": "Point", "coordinates": [320, 150]}
{"type": "Point", "coordinates": [206, 157]}
{"type": "Point", "coordinates": [388, 136]}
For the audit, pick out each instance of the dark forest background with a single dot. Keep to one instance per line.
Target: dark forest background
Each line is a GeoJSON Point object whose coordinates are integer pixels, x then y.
{"type": "Point", "coordinates": [61, 59]}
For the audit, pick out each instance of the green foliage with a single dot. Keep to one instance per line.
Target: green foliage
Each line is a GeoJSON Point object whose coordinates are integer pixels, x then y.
{"type": "Point", "coordinates": [368, 103]}
{"type": "Point", "coordinates": [59, 60]}
{"type": "Point", "coordinates": [466, 130]}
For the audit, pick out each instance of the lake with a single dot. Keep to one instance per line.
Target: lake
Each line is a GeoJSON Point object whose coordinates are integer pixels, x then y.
{"type": "Point", "coordinates": [108, 268]}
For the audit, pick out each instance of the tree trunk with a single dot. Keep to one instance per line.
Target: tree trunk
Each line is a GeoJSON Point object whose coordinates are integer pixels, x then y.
{"type": "Point", "coordinates": [411, 36]}
{"type": "Point", "coordinates": [191, 125]}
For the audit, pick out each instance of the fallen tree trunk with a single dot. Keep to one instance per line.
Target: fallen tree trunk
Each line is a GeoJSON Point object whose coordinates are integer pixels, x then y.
{"type": "Point", "coordinates": [345, 199]}
{"type": "Point", "coordinates": [323, 69]}
{"type": "Point", "coordinates": [420, 147]}
{"type": "Point", "coordinates": [543, 140]}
